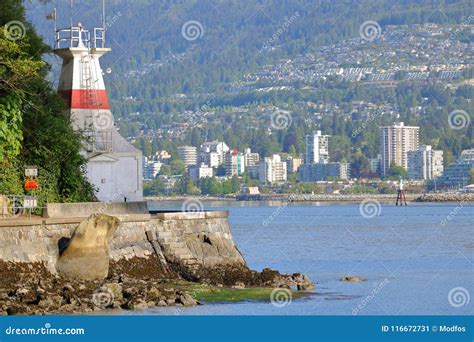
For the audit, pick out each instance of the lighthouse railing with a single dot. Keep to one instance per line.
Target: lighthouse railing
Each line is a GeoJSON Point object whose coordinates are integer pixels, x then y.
{"type": "Point", "coordinates": [70, 37]}
{"type": "Point", "coordinates": [99, 37]}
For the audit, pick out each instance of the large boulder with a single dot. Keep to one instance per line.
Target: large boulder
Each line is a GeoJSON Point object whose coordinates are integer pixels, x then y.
{"type": "Point", "coordinates": [86, 256]}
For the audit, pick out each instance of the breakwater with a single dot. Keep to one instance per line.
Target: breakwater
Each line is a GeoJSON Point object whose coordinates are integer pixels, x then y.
{"type": "Point", "coordinates": [431, 197]}
{"type": "Point", "coordinates": [446, 197]}
{"type": "Point", "coordinates": [324, 197]}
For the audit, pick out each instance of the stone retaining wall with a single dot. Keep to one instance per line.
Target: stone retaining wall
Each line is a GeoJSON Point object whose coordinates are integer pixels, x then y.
{"type": "Point", "coordinates": [203, 238]}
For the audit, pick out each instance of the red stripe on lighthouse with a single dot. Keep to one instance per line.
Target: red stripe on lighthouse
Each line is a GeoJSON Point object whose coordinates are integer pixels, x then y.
{"type": "Point", "coordinates": [86, 99]}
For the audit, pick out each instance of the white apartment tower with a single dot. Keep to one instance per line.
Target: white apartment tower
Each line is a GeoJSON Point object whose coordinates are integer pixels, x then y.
{"type": "Point", "coordinates": [396, 141]}
{"type": "Point", "coordinates": [272, 170]}
{"type": "Point", "coordinates": [251, 158]}
{"type": "Point", "coordinates": [317, 148]}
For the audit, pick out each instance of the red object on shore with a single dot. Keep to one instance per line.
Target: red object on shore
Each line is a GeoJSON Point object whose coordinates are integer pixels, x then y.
{"type": "Point", "coordinates": [31, 184]}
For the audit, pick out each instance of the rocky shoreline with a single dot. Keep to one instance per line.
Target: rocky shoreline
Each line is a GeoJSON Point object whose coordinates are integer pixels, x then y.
{"type": "Point", "coordinates": [137, 284]}
{"type": "Point", "coordinates": [446, 197]}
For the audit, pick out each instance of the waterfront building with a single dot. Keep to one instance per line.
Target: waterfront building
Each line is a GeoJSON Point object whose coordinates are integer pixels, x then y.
{"type": "Point", "coordinates": [272, 170]}
{"type": "Point", "coordinates": [396, 141]}
{"type": "Point", "coordinates": [253, 171]}
{"type": "Point", "coordinates": [322, 171]}
{"type": "Point", "coordinates": [188, 154]}
{"type": "Point", "coordinates": [317, 148]}
{"type": "Point", "coordinates": [200, 171]}
{"type": "Point", "coordinates": [425, 163]}
{"type": "Point", "coordinates": [218, 147]}
{"type": "Point", "coordinates": [234, 163]}
{"type": "Point", "coordinates": [375, 164]}
{"type": "Point", "coordinates": [151, 168]}
{"type": "Point", "coordinates": [456, 175]}
{"type": "Point", "coordinates": [210, 158]}
{"type": "Point", "coordinates": [293, 164]}
{"type": "Point", "coordinates": [251, 158]}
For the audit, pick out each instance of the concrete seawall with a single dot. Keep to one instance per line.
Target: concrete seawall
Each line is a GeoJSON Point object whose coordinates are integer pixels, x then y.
{"type": "Point", "coordinates": [119, 256]}
{"type": "Point", "coordinates": [192, 239]}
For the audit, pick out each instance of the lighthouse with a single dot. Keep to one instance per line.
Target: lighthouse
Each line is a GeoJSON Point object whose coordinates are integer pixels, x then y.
{"type": "Point", "coordinates": [114, 166]}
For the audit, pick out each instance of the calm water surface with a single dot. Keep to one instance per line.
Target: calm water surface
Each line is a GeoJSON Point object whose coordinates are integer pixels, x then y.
{"type": "Point", "coordinates": [412, 256]}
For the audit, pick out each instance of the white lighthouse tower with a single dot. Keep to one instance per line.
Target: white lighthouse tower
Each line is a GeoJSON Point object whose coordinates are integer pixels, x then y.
{"type": "Point", "coordinates": [114, 166]}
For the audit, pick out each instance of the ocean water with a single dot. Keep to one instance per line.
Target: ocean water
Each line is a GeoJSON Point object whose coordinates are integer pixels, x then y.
{"type": "Point", "coordinates": [417, 259]}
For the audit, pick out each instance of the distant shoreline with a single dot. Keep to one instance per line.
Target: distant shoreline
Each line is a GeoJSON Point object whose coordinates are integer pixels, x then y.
{"type": "Point", "coordinates": [438, 197]}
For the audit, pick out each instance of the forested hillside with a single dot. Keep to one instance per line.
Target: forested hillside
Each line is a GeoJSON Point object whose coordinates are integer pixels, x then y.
{"type": "Point", "coordinates": [167, 89]}
{"type": "Point", "coordinates": [151, 61]}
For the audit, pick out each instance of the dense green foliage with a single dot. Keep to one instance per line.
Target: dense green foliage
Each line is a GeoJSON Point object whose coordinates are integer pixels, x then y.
{"type": "Point", "coordinates": [34, 129]}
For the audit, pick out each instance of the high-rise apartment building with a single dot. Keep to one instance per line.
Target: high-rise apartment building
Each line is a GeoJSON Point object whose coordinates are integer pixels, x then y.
{"type": "Point", "coordinates": [396, 141]}
{"type": "Point", "coordinates": [234, 163]}
{"type": "Point", "coordinates": [317, 148]}
{"type": "Point", "coordinates": [272, 170]}
{"type": "Point", "coordinates": [251, 158]}
{"type": "Point", "coordinates": [188, 154]}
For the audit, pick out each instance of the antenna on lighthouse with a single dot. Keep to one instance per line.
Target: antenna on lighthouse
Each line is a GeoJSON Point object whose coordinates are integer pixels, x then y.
{"type": "Point", "coordinates": [103, 23]}
{"type": "Point", "coordinates": [71, 3]}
